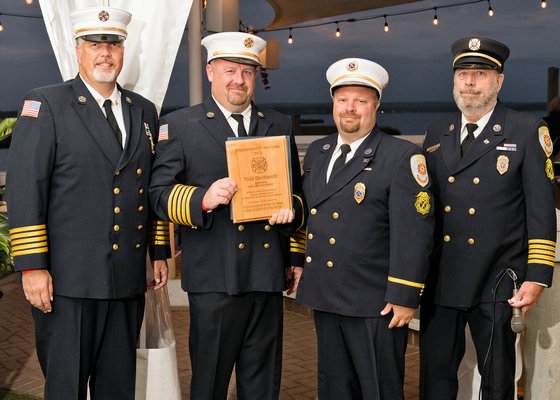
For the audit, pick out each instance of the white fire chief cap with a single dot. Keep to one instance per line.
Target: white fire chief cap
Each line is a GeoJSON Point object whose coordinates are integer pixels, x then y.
{"type": "Point", "coordinates": [357, 71]}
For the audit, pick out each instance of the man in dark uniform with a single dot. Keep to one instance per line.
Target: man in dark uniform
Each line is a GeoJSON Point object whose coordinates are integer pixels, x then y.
{"type": "Point", "coordinates": [369, 233]}
{"type": "Point", "coordinates": [495, 226]}
{"type": "Point", "coordinates": [78, 174]}
{"type": "Point", "coordinates": [233, 273]}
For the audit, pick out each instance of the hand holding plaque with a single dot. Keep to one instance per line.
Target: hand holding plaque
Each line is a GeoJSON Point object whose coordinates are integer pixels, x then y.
{"type": "Point", "coordinates": [261, 168]}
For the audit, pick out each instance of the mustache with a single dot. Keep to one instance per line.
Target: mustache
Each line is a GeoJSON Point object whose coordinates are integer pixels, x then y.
{"type": "Point", "coordinates": [348, 115]}
{"type": "Point", "coordinates": [103, 59]}
{"type": "Point", "coordinates": [238, 87]}
{"type": "Point", "coordinates": [469, 92]}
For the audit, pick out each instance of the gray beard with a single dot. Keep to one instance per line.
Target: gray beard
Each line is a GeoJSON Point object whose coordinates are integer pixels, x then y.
{"type": "Point", "coordinates": [476, 107]}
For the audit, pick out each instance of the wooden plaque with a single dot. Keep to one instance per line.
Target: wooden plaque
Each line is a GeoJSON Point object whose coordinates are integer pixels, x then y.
{"type": "Point", "coordinates": [261, 168]}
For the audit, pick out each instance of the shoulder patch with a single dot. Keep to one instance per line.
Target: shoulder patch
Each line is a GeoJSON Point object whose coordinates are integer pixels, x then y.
{"type": "Point", "coordinates": [419, 169]}
{"type": "Point", "coordinates": [545, 140]}
{"type": "Point", "coordinates": [31, 108]}
{"type": "Point", "coordinates": [163, 132]}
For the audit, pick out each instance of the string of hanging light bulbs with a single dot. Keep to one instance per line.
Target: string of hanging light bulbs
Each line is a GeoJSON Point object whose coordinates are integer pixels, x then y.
{"type": "Point", "coordinates": [385, 17]}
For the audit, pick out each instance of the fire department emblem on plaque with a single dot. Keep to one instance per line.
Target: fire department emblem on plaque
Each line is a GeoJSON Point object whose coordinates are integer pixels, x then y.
{"type": "Point", "coordinates": [259, 165]}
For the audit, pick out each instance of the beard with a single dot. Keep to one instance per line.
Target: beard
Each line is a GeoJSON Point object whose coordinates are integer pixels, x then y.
{"type": "Point", "coordinates": [474, 105]}
{"type": "Point", "coordinates": [104, 76]}
{"type": "Point", "coordinates": [350, 127]}
{"type": "Point", "coordinates": [237, 97]}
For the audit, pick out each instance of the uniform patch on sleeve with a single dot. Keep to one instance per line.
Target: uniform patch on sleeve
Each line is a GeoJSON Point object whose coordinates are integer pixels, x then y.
{"type": "Point", "coordinates": [419, 169]}
{"type": "Point", "coordinates": [422, 203]}
{"type": "Point", "coordinates": [31, 108]}
{"type": "Point", "coordinates": [163, 132]}
{"type": "Point", "coordinates": [549, 169]}
{"type": "Point", "coordinates": [545, 140]}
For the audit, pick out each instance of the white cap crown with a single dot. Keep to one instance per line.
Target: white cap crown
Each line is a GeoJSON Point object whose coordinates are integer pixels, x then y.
{"type": "Point", "coordinates": [357, 71]}
{"type": "Point", "coordinates": [239, 47]}
{"type": "Point", "coordinates": [100, 24]}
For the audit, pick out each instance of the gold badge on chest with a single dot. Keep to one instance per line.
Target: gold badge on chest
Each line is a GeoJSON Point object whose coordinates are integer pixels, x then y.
{"type": "Point", "coordinates": [502, 164]}
{"type": "Point", "coordinates": [359, 192]}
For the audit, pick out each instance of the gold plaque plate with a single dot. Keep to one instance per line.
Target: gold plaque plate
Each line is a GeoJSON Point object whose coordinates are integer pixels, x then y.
{"type": "Point", "coordinates": [261, 168]}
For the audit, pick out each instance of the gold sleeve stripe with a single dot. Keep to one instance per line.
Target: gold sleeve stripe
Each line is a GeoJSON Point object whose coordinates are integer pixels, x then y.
{"type": "Point", "coordinates": [32, 251]}
{"type": "Point", "coordinates": [405, 282]}
{"type": "Point", "coordinates": [15, 236]}
{"type": "Point", "coordinates": [535, 261]}
{"type": "Point", "coordinates": [542, 241]}
{"type": "Point", "coordinates": [299, 199]}
{"type": "Point", "coordinates": [541, 247]}
{"type": "Point", "coordinates": [16, 242]}
{"type": "Point", "coordinates": [161, 223]}
{"type": "Point", "coordinates": [542, 257]}
{"type": "Point", "coordinates": [541, 251]}
{"type": "Point", "coordinates": [178, 204]}
{"type": "Point", "coordinates": [30, 245]}
{"type": "Point", "coordinates": [27, 228]}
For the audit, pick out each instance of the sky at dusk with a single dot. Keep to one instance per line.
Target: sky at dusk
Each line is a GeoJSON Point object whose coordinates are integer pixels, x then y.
{"type": "Point", "coordinates": [415, 52]}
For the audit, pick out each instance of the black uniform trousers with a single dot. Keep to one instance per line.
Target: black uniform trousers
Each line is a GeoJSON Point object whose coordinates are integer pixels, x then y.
{"type": "Point", "coordinates": [85, 340]}
{"type": "Point", "coordinates": [359, 358]}
{"type": "Point", "coordinates": [442, 346]}
{"type": "Point", "coordinates": [243, 330]}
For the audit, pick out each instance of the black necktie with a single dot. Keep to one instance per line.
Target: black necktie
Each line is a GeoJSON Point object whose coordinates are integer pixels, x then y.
{"type": "Point", "coordinates": [469, 139]}
{"type": "Point", "coordinates": [341, 160]}
{"type": "Point", "coordinates": [240, 125]}
{"type": "Point", "coordinates": [112, 120]}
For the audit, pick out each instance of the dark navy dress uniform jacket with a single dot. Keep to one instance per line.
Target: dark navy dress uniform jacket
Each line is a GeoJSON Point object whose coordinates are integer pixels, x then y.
{"type": "Point", "coordinates": [494, 208]}
{"type": "Point", "coordinates": [362, 255]}
{"type": "Point", "coordinates": [218, 255]}
{"type": "Point", "coordinates": [78, 204]}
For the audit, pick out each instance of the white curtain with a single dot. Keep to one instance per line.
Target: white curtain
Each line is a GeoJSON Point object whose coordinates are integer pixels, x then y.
{"type": "Point", "coordinates": [154, 35]}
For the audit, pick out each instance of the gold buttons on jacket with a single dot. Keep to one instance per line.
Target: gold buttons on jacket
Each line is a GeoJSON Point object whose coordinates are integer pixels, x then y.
{"type": "Point", "coordinates": [332, 240]}
{"type": "Point", "coordinates": [141, 191]}
{"type": "Point", "coordinates": [447, 208]}
{"type": "Point", "coordinates": [335, 215]}
{"type": "Point", "coordinates": [472, 211]}
{"type": "Point", "coordinates": [266, 245]}
{"type": "Point", "coordinates": [451, 179]}
{"type": "Point", "coordinates": [267, 227]}
{"type": "Point", "coordinates": [330, 264]}
{"type": "Point", "coordinates": [117, 172]}
{"type": "Point", "coordinates": [308, 259]}
{"type": "Point", "coordinates": [476, 181]}
{"type": "Point", "coordinates": [139, 171]}
{"type": "Point", "coordinates": [115, 247]}
{"type": "Point", "coordinates": [310, 236]}
{"type": "Point", "coordinates": [241, 246]}
{"type": "Point", "coordinates": [241, 228]}
{"type": "Point", "coordinates": [313, 211]}
{"type": "Point", "coordinates": [116, 228]}
{"type": "Point", "coordinates": [141, 208]}
{"type": "Point", "coordinates": [470, 241]}
{"type": "Point", "coordinates": [116, 190]}
{"type": "Point", "coordinates": [140, 227]}
{"type": "Point", "coordinates": [117, 210]}
{"type": "Point", "coordinates": [446, 238]}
